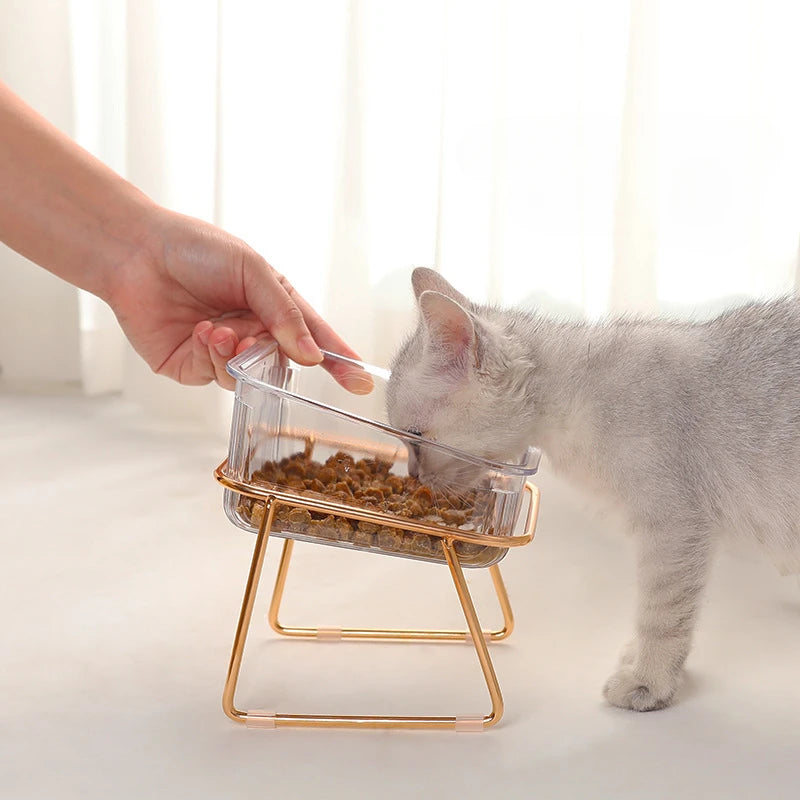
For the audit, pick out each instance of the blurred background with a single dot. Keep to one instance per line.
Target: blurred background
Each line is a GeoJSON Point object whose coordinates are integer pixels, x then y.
{"type": "Point", "coordinates": [576, 157]}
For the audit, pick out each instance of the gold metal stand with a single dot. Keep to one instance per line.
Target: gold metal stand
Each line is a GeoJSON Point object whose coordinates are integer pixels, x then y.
{"type": "Point", "coordinates": [383, 633]}
{"type": "Point", "coordinates": [479, 638]}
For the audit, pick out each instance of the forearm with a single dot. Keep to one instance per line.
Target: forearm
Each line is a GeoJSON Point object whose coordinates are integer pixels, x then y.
{"type": "Point", "coordinates": [61, 207]}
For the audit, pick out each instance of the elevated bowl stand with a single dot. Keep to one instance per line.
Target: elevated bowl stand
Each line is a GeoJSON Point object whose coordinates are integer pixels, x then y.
{"type": "Point", "coordinates": [273, 497]}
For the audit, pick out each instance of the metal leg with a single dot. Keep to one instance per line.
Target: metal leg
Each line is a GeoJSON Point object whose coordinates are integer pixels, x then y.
{"type": "Point", "coordinates": [382, 633]}
{"type": "Point", "coordinates": [263, 719]}
{"type": "Point", "coordinates": [246, 613]}
{"type": "Point", "coordinates": [475, 629]}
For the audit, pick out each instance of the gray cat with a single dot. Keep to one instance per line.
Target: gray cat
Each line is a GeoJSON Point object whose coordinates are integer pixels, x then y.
{"type": "Point", "coordinates": [692, 428]}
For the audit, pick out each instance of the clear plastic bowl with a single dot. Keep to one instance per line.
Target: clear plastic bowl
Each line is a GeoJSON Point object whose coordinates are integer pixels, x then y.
{"type": "Point", "coordinates": [297, 432]}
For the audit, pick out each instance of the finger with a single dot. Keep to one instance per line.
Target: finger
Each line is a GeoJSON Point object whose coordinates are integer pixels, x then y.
{"type": "Point", "coordinates": [222, 345]}
{"type": "Point", "coordinates": [351, 377]}
{"type": "Point", "coordinates": [248, 341]}
{"type": "Point", "coordinates": [200, 370]}
{"type": "Point", "coordinates": [244, 327]}
{"type": "Point", "coordinates": [268, 294]}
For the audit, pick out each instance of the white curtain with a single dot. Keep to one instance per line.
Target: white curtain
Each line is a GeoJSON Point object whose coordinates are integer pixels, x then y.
{"type": "Point", "coordinates": [39, 316]}
{"type": "Point", "coordinates": [575, 157]}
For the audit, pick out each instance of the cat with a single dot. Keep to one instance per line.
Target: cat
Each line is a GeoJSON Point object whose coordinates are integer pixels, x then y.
{"type": "Point", "coordinates": [691, 428]}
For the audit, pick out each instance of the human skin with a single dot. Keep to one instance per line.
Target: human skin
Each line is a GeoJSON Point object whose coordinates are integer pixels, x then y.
{"type": "Point", "coordinates": [188, 295]}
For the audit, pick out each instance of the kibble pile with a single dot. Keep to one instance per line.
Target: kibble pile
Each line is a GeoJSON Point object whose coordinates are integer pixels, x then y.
{"type": "Point", "coordinates": [367, 484]}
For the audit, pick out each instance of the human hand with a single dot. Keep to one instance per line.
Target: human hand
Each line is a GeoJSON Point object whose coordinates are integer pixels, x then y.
{"type": "Point", "coordinates": [195, 296]}
{"type": "Point", "coordinates": [188, 295]}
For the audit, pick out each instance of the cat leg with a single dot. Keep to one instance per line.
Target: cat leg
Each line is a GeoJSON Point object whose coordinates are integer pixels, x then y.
{"type": "Point", "coordinates": [673, 568]}
{"type": "Point", "coordinates": [627, 657]}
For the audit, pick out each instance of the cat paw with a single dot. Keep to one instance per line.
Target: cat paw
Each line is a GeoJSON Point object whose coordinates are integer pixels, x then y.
{"type": "Point", "coordinates": [625, 689]}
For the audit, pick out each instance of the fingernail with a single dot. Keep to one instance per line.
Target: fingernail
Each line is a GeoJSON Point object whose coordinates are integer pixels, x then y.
{"type": "Point", "coordinates": [308, 347]}
{"type": "Point", "coordinates": [358, 382]}
{"type": "Point", "coordinates": [224, 348]}
{"type": "Point", "coordinates": [204, 334]}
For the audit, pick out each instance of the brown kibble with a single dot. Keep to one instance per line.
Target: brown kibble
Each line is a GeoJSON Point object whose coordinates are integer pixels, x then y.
{"type": "Point", "coordinates": [395, 484]}
{"type": "Point", "coordinates": [414, 509]}
{"type": "Point", "coordinates": [410, 484]}
{"type": "Point", "coordinates": [424, 496]}
{"type": "Point", "coordinates": [295, 470]}
{"type": "Point", "coordinates": [445, 501]}
{"type": "Point", "coordinates": [326, 528]}
{"type": "Point", "coordinates": [368, 527]}
{"type": "Point", "coordinates": [255, 512]}
{"type": "Point", "coordinates": [408, 542]}
{"type": "Point", "coordinates": [389, 539]}
{"type": "Point", "coordinates": [363, 539]}
{"type": "Point", "coordinates": [343, 527]}
{"type": "Point", "coordinates": [380, 467]}
{"type": "Point", "coordinates": [300, 520]}
{"type": "Point", "coordinates": [327, 475]}
{"type": "Point", "coordinates": [454, 517]}
{"type": "Point", "coordinates": [393, 506]}
{"type": "Point", "coordinates": [368, 484]}
{"type": "Point", "coordinates": [468, 548]}
{"type": "Point", "coordinates": [421, 544]}
{"type": "Point", "coordinates": [341, 460]}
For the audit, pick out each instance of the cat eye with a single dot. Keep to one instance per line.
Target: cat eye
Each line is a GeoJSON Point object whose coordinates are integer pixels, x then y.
{"type": "Point", "coordinates": [414, 432]}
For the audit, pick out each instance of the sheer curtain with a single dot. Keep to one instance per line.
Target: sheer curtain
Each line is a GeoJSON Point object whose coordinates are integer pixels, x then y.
{"type": "Point", "coordinates": [576, 157]}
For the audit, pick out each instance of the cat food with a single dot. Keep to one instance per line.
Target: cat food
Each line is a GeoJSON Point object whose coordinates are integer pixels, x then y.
{"type": "Point", "coordinates": [367, 484]}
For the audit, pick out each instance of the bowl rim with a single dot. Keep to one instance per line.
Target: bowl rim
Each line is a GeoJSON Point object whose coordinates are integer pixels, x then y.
{"type": "Point", "coordinates": [237, 368]}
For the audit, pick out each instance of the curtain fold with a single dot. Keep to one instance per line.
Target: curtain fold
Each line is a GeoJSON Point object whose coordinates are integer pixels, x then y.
{"type": "Point", "coordinates": [577, 158]}
{"type": "Point", "coordinates": [39, 315]}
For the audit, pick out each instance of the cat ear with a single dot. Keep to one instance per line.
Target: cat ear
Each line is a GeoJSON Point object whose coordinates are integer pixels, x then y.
{"type": "Point", "coordinates": [450, 335]}
{"type": "Point", "coordinates": [427, 280]}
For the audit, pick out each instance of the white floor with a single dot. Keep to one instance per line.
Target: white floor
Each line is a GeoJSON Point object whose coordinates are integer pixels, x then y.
{"type": "Point", "coordinates": [120, 582]}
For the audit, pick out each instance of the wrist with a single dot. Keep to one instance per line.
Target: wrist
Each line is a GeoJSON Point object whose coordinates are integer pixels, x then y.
{"type": "Point", "coordinates": [138, 235]}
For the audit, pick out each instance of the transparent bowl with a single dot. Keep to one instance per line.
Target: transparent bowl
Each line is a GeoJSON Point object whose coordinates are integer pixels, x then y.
{"type": "Point", "coordinates": [340, 477]}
